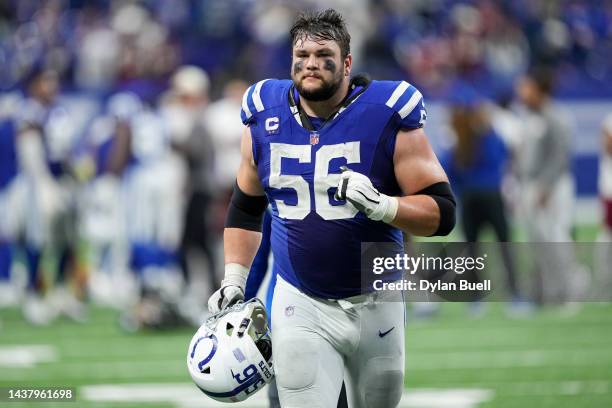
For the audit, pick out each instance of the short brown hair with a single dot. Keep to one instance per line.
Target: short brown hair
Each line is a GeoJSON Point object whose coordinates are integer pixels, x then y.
{"type": "Point", "coordinates": [327, 25]}
{"type": "Point", "coordinates": [543, 77]}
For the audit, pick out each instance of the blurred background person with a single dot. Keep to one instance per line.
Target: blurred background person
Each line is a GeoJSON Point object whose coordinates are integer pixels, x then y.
{"type": "Point", "coordinates": [605, 174]}
{"type": "Point", "coordinates": [603, 251]}
{"type": "Point", "coordinates": [549, 194]}
{"type": "Point", "coordinates": [476, 166]}
{"type": "Point", "coordinates": [508, 124]}
{"type": "Point", "coordinates": [225, 131]}
{"type": "Point", "coordinates": [153, 191]}
{"type": "Point", "coordinates": [8, 186]}
{"type": "Point", "coordinates": [107, 159]}
{"type": "Point", "coordinates": [184, 111]}
{"type": "Point", "coordinates": [45, 140]}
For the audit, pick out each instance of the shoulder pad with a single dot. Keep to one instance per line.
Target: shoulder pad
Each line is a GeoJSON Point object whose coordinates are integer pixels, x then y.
{"type": "Point", "coordinates": [405, 99]}
{"type": "Point", "coordinates": [265, 94]}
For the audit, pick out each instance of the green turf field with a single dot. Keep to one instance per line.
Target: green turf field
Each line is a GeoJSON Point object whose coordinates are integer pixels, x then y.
{"type": "Point", "coordinates": [553, 359]}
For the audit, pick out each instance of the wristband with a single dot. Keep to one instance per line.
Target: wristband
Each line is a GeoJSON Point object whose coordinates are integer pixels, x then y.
{"type": "Point", "coordinates": [391, 208]}
{"type": "Point", "coordinates": [235, 275]}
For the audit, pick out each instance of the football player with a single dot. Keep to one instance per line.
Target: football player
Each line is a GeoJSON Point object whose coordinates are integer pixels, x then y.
{"type": "Point", "coordinates": [154, 202]}
{"type": "Point", "coordinates": [303, 139]}
{"type": "Point", "coordinates": [8, 190]}
{"type": "Point", "coordinates": [46, 137]}
{"type": "Point", "coordinates": [102, 206]}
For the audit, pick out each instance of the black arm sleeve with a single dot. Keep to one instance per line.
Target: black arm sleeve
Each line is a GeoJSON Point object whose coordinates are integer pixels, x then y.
{"type": "Point", "coordinates": [245, 211]}
{"type": "Point", "coordinates": [443, 196]}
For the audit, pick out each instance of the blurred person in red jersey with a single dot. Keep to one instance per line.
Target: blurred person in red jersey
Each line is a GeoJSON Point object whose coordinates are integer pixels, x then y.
{"type": "Point", "coordinates": [603, 254]}
{"type": "Point", "coordinates": [605, 173]}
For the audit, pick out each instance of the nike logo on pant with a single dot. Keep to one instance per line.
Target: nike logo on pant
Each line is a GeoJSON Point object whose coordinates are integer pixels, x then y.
{"type": "Point", "coordinates": [381, 334]}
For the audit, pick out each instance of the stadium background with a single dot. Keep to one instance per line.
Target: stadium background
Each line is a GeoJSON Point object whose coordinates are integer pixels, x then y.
{"type": "Point", "coordinates": [457, 355]}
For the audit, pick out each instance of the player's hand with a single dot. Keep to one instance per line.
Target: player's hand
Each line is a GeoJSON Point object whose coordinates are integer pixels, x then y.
{"type": "Point", "coordinates": [357, 189]}
{"type": "Point", "coordinates": [224, 297]}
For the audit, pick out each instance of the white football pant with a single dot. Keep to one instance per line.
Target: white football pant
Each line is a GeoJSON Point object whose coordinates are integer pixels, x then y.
{"type": "Point", "coordinates": [318, 343]}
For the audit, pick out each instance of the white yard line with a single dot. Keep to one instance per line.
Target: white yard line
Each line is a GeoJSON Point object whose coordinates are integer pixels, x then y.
{"type": "Point", "coordinates": [507, 359]}
{"type": "Point", "coordinates": [185, 395]}
{"type": "Point", "coordinates": [26, 356]}
{"type": "Point", "coordinates": [446, 398]}
{"type": "Point", "coordinates": [123, 370]}
{"type": "Point", "coordinates": [131, 369]}
{"type": "Point", "coordinates": [591, 387]}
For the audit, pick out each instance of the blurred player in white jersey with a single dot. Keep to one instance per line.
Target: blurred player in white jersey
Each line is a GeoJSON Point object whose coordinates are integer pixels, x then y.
{"type": "Point", "coordinates": [153, 189]}
{"type": "Point", "coordinates": [342, 161]}
{"type": "Point", "coordinates": [44, 147]}
{"type": "Point", "coordinates": [9, 186]}
{"type": "Point", "coordinates": [102, 218]}
{"type": "Point", "coordinates": [184, 111]}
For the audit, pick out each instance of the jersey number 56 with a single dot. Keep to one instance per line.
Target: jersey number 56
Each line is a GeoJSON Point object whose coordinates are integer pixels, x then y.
{"type": "Point", "coordinates": [323, 180]}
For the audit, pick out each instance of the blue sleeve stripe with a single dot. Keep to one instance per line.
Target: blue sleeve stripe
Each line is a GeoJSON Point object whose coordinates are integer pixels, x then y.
{"type": "Point", "coordinates": [259, 106]}
{"type": "Point", "coordinates": [411, 104]}
{"type": "Point", "coordinates": [399, 91]}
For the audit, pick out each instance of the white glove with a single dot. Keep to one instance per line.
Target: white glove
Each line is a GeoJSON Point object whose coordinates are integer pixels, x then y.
{"type": "Point", "coordinates": [232, 288]}
{"type": "Point", "coordinates": [357, 189]}
{"type": "Point", "coordinates": [224, 297]}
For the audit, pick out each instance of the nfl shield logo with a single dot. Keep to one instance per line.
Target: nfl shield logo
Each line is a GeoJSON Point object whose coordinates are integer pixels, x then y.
{"type": "Point", "coordinates": [314, 138]}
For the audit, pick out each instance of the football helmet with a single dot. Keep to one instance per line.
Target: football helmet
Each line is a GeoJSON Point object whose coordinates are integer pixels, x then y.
{"type": "Point", "coordinates": [230, 356]}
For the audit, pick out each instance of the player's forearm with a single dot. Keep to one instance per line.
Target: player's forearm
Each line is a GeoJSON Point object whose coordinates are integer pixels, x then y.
{"type": "Point", "coordinates": [240, 246]}
{"type": "Point", "coordinates": [417, 215]}
{"type": "Point", "coordinates": [428, 212]}
{"type": "Point", "coordinates": [242, 236]}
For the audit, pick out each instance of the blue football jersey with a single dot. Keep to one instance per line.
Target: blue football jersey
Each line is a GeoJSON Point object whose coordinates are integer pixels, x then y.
{"type": "Point", "coordinates": [8, 152]}
{"type": "Point", "coordinates": [316, 240]}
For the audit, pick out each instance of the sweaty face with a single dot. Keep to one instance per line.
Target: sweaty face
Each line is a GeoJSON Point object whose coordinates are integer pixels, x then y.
{"type": "Point", "coordinates": [318, 69]}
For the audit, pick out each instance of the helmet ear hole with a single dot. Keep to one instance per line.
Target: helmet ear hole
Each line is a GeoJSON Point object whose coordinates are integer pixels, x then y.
{"type": "Point", "coordinates": [265, 348]}
{"type": "Point", "coordinates": [206, 370]}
